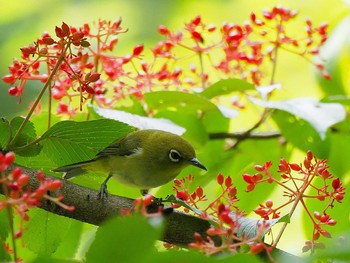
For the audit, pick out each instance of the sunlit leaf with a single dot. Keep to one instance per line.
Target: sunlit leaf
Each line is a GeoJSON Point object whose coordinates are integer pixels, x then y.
{"type": "Point", "coordinates": [140, 122]}
{"type": "Point", "coordinates": [226, 86]}
{"type": "Point", "coordinates": [320, 115]}
{"type": "Point", "coordinates": [250, 228]}
{"type": "Point", "coordinates": [186, 103]}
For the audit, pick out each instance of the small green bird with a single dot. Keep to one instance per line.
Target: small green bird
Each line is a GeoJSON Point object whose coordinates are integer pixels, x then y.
{"type": "Point", "coordinates": [143, 159]}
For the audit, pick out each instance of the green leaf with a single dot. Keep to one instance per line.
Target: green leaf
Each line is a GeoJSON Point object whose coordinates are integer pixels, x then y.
{"type": "Point", "coordinates": [140, 122]}
{"type": "Point", "coordinates": [320, 115]}
{"type": "Point", "coordinates": [22, 145]}
{"type": "Point", "coordinates": [191, 256]}
{"type": "Point", "coordinates": [227, 86]}
{"type": "Point", "coordinates": [69, 247]}
{"type": "Point", "coordinates": [41, 122]}
{"type": "Point", "coordinates": [4, 133]}
{"type": "Point", "coordinates": [70, 141]}
{"type": "Point", "coordinates": [181, 102]}
{"type": "Point", "coordinates": [45, 231]}
{"type": "Point", "coordinates": [28, 134]}
{"type": "Point", "coordinates": [37, 162]}
{"type": "Point", "coordinates": [307, 138]}
{"type": "Point", "coordinates": [176, 100]}
{"type": "Point", "coordinates": [47, 259]}
{"type": "Point", "coordinates": [124, 239]}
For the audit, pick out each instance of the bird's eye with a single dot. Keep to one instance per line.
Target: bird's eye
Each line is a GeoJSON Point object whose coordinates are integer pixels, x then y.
{"type": "Point", "coordinates": [174, 156]}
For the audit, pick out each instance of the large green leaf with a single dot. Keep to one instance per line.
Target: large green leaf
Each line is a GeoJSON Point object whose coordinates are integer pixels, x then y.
{"type": "Point", "coordinates": [70, 141]}
{"type": "Point", "coordinates": [227, 86]}
{"type": "Point", "coordinates": [124, 239]}
{"type": "Point", "coordinates": [69, 247]}
{"type": "Point", "coordinates": [186, 103]}
{"type": "Point", "coordinates": [45, 231]}
{"type": "Point", "coordinates": [301, 134]}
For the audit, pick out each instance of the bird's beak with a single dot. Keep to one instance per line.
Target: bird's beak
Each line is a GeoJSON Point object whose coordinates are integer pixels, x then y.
{"type": "Point", "coordinates": [196, 162]}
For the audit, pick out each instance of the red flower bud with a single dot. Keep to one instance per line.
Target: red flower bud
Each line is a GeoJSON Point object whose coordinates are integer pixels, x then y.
{"type": "Point", "coordinates": [9, 79]}
{"type": "Point", "coordinates": [295, 167]}
{"type": "Point", "coordinates": [23, 179]}
{"type": "Point", "coordinates": [137, 50]}
{"type": "Point", "coordinates": [228, 181]}
{"type": "Point", "coordinates": [54, 185]}
{"type": "Point", "coordinates": [147, 199]}
{"type": "Point", "coordinates": [182, 195]}
{"type": "Point", "coordinates": [256, 248]}
{"type": "Point", "coordinates": [317, 215]}
{"type": "Point", "coordinates": [163, 30]}
{"type": "Point", "coordinates": [339, 197]}
{"type": "Point", "coordinates": [309, 155]}
{"type": "Point", "coordinates": [336, 184]}
{"type": "Point", "coordinates": [225, 217]}
{"type": "Point", "coordinates": [16, 172]}
{"type": "Point", "coordinates": [93, 77]}
{"type": "Point", "coordinates": [48, 41]}
{"type": "Point", "coordinates": [247, 178]}
{"type": "Point", "coordinates": [199, 191]}
{"type": "Point", "coordinates": [9, 158]}
{"type": "Point", "coordinates": [269, 203]}
{"type": "Point", "coordinates": [220, 179]}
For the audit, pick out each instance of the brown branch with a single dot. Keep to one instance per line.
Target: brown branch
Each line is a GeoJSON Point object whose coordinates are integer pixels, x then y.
{"type": "Point", "coordinates": [245, 135]}
{"type": "Point", "coordinates": [180, 227]}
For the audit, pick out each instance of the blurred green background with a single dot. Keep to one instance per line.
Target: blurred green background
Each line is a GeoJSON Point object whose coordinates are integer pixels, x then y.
{"type": "Point", "coordinates": [22, 21]}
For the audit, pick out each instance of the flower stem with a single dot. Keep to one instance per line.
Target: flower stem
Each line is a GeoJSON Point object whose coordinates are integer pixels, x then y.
{"type": "Point", "coordinates": [47, 84]}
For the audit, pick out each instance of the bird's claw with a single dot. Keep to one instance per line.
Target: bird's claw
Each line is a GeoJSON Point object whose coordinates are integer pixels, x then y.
{"type": "Point", "coordinates": [102, 193]}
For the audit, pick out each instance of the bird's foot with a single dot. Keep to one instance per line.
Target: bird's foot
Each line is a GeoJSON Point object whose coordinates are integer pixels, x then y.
{"type": "Point", "coordinates": [102, 193]}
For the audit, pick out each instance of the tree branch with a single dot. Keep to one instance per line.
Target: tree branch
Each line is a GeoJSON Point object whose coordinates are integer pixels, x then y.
{"type": "Point", "coordinates": [245, 135]}
{"type": "Point", "coordinates": [180, 227]}
{"type": "Point", "coordinates": [179, 230]}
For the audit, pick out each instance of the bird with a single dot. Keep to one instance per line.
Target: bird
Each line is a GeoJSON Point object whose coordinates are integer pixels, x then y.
{"type": "Point", "coordinates": [142, 159]}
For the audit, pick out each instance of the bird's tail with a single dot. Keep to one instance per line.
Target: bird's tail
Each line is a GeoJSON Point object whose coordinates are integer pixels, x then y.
{"type": "Point", "coordinates": [72, 170]}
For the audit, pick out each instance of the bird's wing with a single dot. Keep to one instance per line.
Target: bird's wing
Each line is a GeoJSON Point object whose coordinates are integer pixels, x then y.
{"type": "Point", "coordinates": [122, 147]}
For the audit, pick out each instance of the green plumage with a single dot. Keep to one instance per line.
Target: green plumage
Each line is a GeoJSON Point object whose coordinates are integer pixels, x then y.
{"type": "Point", "coordinates": [143, 159]}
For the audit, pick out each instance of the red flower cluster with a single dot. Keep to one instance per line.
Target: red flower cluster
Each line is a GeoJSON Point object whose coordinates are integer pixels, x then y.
{"type": "Point", "coordinates": [224, 212]}
{"type": "Point", "coordinates": [19, 197]}
{"type": "Point", "coordinates": [300, 182]}
{"type": "Point", "coordinates": [74, 71]}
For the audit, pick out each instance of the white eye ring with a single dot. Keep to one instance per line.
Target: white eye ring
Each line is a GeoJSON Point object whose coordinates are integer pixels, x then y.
{"type": "Point", "coordinates": [174, 156]}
